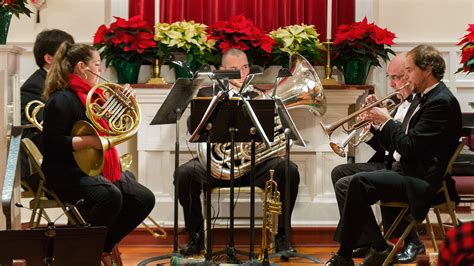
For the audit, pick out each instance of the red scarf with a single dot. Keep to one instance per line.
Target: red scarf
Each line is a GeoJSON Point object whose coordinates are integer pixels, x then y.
{"type": "Point", "coordinates": [111, 168]}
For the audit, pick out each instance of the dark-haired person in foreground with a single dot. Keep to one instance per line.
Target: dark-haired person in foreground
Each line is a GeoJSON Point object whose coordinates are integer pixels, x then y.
{"type": "Point", "coordinates": [46, 44]}
{"type": "Point", "coordinates": [423, 144]}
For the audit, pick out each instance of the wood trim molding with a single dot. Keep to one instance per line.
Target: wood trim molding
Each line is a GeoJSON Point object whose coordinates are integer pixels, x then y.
{"type": "Point", "coordinates": [300, 237]}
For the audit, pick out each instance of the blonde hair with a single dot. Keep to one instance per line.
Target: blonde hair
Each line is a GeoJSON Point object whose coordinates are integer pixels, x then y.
{"type": "Point", "coordinates": [66, 58]}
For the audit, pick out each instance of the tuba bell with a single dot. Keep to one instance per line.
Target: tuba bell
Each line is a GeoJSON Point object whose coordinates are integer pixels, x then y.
{"type": "Point", "coordinates": [302, 89]}
{"type": "Point", "coordinates": [118, 106]}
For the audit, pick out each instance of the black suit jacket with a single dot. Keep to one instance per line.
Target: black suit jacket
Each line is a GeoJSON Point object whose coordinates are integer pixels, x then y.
{"type": "Point", "coordinates": [433, 135]}
{"type": "Point", "coordinates": [31, 90]}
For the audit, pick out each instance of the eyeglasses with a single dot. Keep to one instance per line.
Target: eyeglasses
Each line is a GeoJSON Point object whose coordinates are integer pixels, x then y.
{"type": "Point", "coordinates": [395, 77]}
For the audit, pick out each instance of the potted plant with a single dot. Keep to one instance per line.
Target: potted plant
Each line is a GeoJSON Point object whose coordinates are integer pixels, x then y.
{"type": "Point", "coordinates": [186, 37]}
{"type": "Point", "coordinates": [239, 32]}
{"type": "Point", "coordinates": [467, 51]}
{"type": "Point", "coordinates": [126, 44]}
{"type": "Point", "coordinates": [7, 9]}
{"type": "Point", "coordinates": [302, 39]}
{"type": "Point", "coordinates": [359, 46]}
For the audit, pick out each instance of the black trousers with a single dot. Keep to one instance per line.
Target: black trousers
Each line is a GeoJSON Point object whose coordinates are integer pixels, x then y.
{"type": "Point", "coordinates": [341, 176]}
{"type": "Point", "coordinates": [120, 206]}
{"type": "Point", "coordinates": [357, 225]}
{"type": "Point", "coordinates": [192, 179]}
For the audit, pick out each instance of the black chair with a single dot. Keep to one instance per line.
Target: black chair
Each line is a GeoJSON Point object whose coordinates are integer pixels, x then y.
{"type": "Point", "coordinates": [447, 206]}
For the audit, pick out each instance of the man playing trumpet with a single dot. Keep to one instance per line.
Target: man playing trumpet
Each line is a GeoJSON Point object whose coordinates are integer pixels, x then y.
{"type": "Point", "coordinates": [425, 141]}
{"type": "Point", "coordinates": [382, 159]}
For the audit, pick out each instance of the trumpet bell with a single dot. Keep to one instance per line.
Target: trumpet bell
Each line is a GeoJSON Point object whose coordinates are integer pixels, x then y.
{"type": "Point", "coordinates": [338, 149]}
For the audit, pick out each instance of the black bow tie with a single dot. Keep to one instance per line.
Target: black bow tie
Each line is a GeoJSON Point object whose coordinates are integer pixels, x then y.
{"type": "Point", "coordinates": [411, 97]}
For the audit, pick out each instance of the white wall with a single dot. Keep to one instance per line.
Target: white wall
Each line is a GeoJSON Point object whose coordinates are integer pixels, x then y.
{"type": "Point", "coordinates": [438, 22]}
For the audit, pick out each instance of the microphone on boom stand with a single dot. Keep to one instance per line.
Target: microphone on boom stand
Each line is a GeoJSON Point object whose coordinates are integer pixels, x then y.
{"type": "Point", "coordinates": [50, 232]}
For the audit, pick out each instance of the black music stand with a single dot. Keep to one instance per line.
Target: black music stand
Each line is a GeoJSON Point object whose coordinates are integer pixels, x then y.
{"type": "Point", "coordinates": [291, 133]}
{"type": "Point", "coordinates": [170, 112]}
{"type": "Point", "coordinates": [223, 121]}
{"type": "Point", "coordinates": [72, 246]}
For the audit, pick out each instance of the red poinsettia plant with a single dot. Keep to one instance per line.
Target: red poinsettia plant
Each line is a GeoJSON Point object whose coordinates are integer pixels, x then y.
{"type": "Point", "coordinates": [467, 51]}
{"type": "Point", "coordinates": [362, 41]}
{"type": "Point", "coordinates": [16, 7]}
{"type": "Point", "coordinates": [125, 40]}
{"type": "Point", "coordinates": [239, 32]}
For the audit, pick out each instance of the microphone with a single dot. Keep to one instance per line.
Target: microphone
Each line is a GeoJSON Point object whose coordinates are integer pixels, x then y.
{"type": "Point", "coordinates": [282, 73]}
{"type": "Point", "coordinates": [19, 205]}
{"type": "Point", "coordinates": [170, 58]}
{"type": "Point", "coordinates": [78, 203]}
{"type": "Point", "coordinates": [254, 70]}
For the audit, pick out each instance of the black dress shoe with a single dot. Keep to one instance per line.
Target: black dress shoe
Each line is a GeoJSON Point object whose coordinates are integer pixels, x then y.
{"type": "Point", "coordinates": [375, 258]}
{"type": "Point", "coordinates": [283, 244]}
{"type": "Point", "coordinates": [338, 260]}
{"type": "Point", "coordinates": [360, 252]}
{"type": "Point", "coordinates": [408, 254]}
{"type": "Point", "coordinates": [195, 244]}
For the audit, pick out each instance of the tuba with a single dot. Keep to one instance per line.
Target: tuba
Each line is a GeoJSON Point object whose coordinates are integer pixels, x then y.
{"type": "Point", "coordinates": [302, 89]}
{"type": "Point", "coordinates": [118, 106]}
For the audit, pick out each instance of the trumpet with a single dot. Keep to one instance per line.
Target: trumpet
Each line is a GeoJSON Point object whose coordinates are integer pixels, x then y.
{"type": "Point", "coordinates": [353, 131]}
{"type": "Point", "coordinates": [271, 209]}
{"type": "Point", "coordinates": [390, 105]}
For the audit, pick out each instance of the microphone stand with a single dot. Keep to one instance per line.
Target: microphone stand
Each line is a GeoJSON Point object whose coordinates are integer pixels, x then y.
{"type": "Point", "coordinates": [50, 234]}
{"type": "Point", "coordinates": [285, 254]}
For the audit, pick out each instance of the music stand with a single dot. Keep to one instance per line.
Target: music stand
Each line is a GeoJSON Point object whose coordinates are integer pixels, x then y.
{"type": "Point", "coordinates": [72, 245]}
{"type": "Point", "coordinates": [291, 133]}
{"type": "Point", "coordinates": [229, 121]}
{"type": "Point", "coordinates": [170, 112]}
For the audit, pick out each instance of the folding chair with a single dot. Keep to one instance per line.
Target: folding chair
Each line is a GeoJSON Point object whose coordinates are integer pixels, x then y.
{"type": "Point", "coordinates": [447, 205]}
{"type": "Point", "coordinates": [45, 198]}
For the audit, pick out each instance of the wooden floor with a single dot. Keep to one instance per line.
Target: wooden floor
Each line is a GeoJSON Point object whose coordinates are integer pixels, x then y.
{"type": "Point", "coordinates": [132, 255]}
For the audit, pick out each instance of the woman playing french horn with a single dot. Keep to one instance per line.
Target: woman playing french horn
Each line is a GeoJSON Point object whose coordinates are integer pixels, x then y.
{"type": "Point", "coordinates": [112, 198]}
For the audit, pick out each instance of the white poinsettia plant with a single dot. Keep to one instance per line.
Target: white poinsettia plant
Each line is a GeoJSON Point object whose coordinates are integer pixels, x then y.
{"type": "Point", "coordinates": [302, 39]}
{"type": "Point", "coordinates": [188, 37]}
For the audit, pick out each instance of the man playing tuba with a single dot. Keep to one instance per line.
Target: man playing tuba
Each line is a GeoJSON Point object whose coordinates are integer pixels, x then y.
{"type": "Point", "coordinates": [192, 175]}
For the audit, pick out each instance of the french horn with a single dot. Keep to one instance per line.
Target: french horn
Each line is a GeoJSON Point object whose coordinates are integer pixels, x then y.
{"type": "Point", "coordinates": [115, 104]}
{"type": "Point", "coordinates": [125, 160]}
{"type": "Point", "coordinates": [302, 89]}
